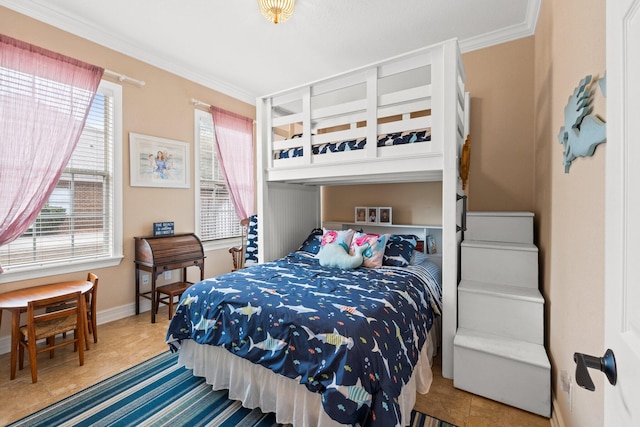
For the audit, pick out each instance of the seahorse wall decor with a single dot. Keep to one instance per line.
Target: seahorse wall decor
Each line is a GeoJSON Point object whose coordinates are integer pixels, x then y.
{"type": "Point", "coordinates": [582, 131]}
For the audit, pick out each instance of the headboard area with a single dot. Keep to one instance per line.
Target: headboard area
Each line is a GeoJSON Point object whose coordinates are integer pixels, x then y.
{"type": "Point", "coordinates": [424, 233]}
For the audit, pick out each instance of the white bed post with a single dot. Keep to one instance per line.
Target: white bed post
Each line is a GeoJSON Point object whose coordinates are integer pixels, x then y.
{"type": "Point", "coordinates": [372, 112]}
{"type": "Point", "coordinates": [445, 70]}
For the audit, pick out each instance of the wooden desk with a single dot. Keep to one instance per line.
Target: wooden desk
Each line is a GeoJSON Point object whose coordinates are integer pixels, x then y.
{"type": "Point", "coordinates": [157, 254]}
{"type": "Point", "coordinates": [17, 301]}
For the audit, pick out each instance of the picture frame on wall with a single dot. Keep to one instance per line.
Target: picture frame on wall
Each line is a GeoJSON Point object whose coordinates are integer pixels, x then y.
{"type": "Point", "coordinates": [158, 162]}
{"type": "Point", "coordinates": [385, 214]}
{"type": "Point", "coordinates": [360, 215]}
{"type": "Point", "coordinates": [372, 215]}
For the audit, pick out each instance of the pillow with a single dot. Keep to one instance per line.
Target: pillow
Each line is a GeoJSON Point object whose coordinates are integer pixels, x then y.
{"type": "Point", "coordinates": [251, 248]}
{"type": "Point", "coordinates": [374, 253]}
{"type": "Point", "coordinates": [312, 243]}
{"type": "Point", "coordinates": [337, 236]}
{"type": "Point", "coordinates": [400, 248]}
{"type": "Point", "coordinates": [418, 258]}
{"type": "Point", "coordinates": [336, 255]}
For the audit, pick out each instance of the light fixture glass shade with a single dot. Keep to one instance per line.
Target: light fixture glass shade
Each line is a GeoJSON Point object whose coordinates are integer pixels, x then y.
{"type": "Point", "coordinates": [277, 11]}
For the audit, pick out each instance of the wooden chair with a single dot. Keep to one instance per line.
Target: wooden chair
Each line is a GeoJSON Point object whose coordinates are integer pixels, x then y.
{"type": "Point", "coordinates": [49, 324]}
{"type": "Point", "coordinates": [238, 252]}
{"type": "Point", "coordinates": [91, 304]}
{"type": "Point", "coordinates": [91, 326]}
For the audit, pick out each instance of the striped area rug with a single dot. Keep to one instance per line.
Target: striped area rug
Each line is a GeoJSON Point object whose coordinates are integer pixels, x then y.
{"type": "Point", "coordinates": [159, 393]}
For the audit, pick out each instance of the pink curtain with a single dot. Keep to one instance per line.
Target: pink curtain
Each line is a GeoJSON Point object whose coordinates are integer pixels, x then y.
{"type": "Point", "coordinates": [44, 101]}
{"type": "Point", "coordinates": [234, 141]}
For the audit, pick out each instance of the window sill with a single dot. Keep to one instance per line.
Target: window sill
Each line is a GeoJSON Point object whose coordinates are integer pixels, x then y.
{"type": "Point", "coordinates": [43, 270]}
{"type": "Point", "coordinates": [214, 245]}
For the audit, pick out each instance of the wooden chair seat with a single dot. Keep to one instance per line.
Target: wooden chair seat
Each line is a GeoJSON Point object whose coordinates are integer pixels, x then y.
{"type": "Point", "coordinates": [166, 295]}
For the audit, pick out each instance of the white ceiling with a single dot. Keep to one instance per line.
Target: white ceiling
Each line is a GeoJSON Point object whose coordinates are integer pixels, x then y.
{"type": "Point", "coordinates": [227, 44]}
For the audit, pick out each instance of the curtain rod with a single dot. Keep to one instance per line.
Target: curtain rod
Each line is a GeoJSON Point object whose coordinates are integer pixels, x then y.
{"type": "Point", "coordinates": [123, 78]}
{"type": "Point", "coordinates": [197, 103]}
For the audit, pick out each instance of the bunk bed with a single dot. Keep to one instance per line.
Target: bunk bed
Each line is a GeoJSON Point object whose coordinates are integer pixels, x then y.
{"type": "Point", "coordinates": [399, 120]}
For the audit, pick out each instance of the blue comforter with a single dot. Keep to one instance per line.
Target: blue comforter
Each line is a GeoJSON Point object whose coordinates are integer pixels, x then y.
{"type": "Point", "coordinates": [352, 335]}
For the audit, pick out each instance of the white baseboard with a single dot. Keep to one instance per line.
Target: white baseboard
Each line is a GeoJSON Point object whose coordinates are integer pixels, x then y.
{"type": "Point", "coordinates": [556, 417]}
{"type": "Point", "coordinates": [104, 316]}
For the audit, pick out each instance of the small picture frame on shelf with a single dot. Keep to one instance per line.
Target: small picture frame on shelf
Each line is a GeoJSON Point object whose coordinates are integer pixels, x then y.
{"type": "Point", "coordinates": [431, 245]}
{"type": "Point", "coordinates": [372, 215]}
{"type": "Point", "coordinates": [385, 215]}
{"type": "Point", "coordinates": [360, 215]}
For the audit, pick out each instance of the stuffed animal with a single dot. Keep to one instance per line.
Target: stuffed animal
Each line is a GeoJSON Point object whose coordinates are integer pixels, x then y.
{"type": "Point", "coordinates": [337, 255]}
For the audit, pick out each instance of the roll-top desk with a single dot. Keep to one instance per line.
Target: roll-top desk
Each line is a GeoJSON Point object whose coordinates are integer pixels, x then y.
{"type": "Point", "coordinates": [157, 254]}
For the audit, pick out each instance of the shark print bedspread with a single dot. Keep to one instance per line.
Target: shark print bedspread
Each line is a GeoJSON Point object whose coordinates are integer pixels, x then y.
{"type": "Point", "coordinates": [352, 335]}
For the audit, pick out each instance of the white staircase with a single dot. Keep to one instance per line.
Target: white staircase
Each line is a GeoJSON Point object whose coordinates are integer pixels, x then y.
{"type": "Point", "coordinates": [499, 345]}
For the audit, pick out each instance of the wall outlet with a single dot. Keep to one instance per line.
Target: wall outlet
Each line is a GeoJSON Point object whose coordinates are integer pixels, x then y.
{"type": "Point", "coordinates": [566, 385]}
{"type": "Point", "coordinates": [167, 275]}
{"type": "Point", "coordinates": [145, 279]}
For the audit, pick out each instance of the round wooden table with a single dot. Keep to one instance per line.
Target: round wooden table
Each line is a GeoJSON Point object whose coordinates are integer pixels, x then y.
{"type": "Point", "coordinates": [16, 302]}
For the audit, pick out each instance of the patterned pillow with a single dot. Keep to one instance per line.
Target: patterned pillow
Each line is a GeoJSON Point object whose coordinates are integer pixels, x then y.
{"type": "Point", "coordinates": [251, 249]}
{"type": "Point", "coordinates": [342, 237]}
{"type": "Point", "coordinates": [399, 250]}
{"type": "Point", "coordinates": [374, 254]}
{"type": "Point", "coordinates": [312, 243]}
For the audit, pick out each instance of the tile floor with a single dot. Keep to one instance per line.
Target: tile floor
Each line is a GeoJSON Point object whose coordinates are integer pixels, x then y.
{"type": "Point", "coordinates": [129, 341]}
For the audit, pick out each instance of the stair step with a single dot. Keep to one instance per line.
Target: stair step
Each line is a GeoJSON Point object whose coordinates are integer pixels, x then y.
{"type": "Point", "coordinates": [513, 372]}
{"type": "Point", "coordinates": [500, 226]}
{"type": "Point", "coordinates": [509, 311]}
{"type": "Point", "coordinates": [500, 262]}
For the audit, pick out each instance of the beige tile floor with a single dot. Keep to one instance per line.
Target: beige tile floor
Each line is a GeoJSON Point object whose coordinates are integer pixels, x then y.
{"type": "Point", "coordinates": [129, 341]}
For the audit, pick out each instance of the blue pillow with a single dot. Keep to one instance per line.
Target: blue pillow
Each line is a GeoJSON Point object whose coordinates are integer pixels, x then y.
{"type": "Point", "coordinates": [399, 249]}
{"type": "Point", "coordinates": [251, 250]}
{"type": "Point", "coordinates": [312, 243]}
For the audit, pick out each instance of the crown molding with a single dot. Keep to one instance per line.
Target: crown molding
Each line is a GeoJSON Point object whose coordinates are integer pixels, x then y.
{"type": "Point", "coordinates": [514, 32]}
{"type": "Point", "coordinates": [48, 14]}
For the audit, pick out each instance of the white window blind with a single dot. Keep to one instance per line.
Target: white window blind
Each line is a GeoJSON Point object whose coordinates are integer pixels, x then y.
{"type": "Point", "coordinates": [217, 217]}
{"type": "Point", "coordinates": [77, 222]}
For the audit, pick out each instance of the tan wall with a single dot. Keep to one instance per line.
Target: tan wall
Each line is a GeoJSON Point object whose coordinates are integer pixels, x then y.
{"type": "Point", "coordinates": [161, 108]}
{"type": "Point", "coordinates": [414, 203]}
{"type": "Point", "coordinates": [570, 44]}
{"type": "Point", "coordinates": [500, 80]}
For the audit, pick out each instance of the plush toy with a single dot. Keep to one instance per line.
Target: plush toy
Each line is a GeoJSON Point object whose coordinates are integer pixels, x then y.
{"type": "Point", "coordinates": [337, 255]}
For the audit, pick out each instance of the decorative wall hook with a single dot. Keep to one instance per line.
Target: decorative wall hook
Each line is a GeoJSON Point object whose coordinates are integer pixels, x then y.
{"type": "Point", "coordinates": [582, 131]}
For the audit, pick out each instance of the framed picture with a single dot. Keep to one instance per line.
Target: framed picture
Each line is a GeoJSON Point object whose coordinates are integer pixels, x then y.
{"type": "Point", "coordinates": [361, 215]}
{"type": "Point", "coordinates": [372, 215]}
{"type": "Point", "coordinates": [385, 215]}
{"type": "Point", "coordinates": [158, 162]}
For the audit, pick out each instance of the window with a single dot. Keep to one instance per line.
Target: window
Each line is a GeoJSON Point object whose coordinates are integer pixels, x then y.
{"type": "Point", "coordinates": [215, 215]}
{"type": "Point", "coordinates": [80, 226]}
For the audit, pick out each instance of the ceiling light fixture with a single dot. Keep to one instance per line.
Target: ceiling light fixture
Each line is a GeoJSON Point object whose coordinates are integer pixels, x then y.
{"type": "Point", "coordinates": [277, 11]}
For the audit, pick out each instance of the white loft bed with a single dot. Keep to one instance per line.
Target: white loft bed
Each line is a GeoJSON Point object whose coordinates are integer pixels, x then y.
{"type": "Point", "coordinates": [422, 90]}
{"type": "Point", "coordinates": [389, 96]}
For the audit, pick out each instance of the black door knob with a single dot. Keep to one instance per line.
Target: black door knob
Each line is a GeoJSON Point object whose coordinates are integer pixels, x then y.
{"type": "Point", "coordinates": [606, 364]}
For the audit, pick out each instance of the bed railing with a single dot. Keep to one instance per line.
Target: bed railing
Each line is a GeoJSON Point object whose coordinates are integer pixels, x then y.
{"type": "Point", "coordinates": [405, 93]}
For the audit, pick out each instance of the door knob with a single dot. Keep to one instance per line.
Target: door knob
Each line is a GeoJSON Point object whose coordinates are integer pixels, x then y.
{"type": "Point", "coordinates": [606, 364]}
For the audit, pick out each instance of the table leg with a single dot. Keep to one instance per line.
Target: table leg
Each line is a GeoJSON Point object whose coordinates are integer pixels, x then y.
{"type": "Point", "coordinates": [15, 340]}
{"type": "Point", "coordinates": [137, 290]}
{"type": "Point", "coordinates": [153, 297]}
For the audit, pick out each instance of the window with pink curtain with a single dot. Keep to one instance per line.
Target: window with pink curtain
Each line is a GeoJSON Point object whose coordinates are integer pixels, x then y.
{"type": "Point", "coordinates": [234, 142]}
{"type": "Point", "coordinates": [44, 101]}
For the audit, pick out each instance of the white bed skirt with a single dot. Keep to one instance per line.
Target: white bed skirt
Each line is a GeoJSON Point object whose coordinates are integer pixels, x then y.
{"type": "Point", "coordinates": [258, 387]}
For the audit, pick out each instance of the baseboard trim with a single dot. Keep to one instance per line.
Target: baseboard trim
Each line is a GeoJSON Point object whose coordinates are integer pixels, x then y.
{"type": "Point", "coordinates": [104, 316]}
{"type": "Point", "coordinates": [556, 417]}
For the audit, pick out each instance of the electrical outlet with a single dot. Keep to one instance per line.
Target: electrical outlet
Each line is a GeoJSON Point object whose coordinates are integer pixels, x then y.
{"type": "Point", "coordinates": [566, 385]}
{"type": "Point", "coordinates": [145, 279]}
{"type": "Point", "coordinates": [167, 275]}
